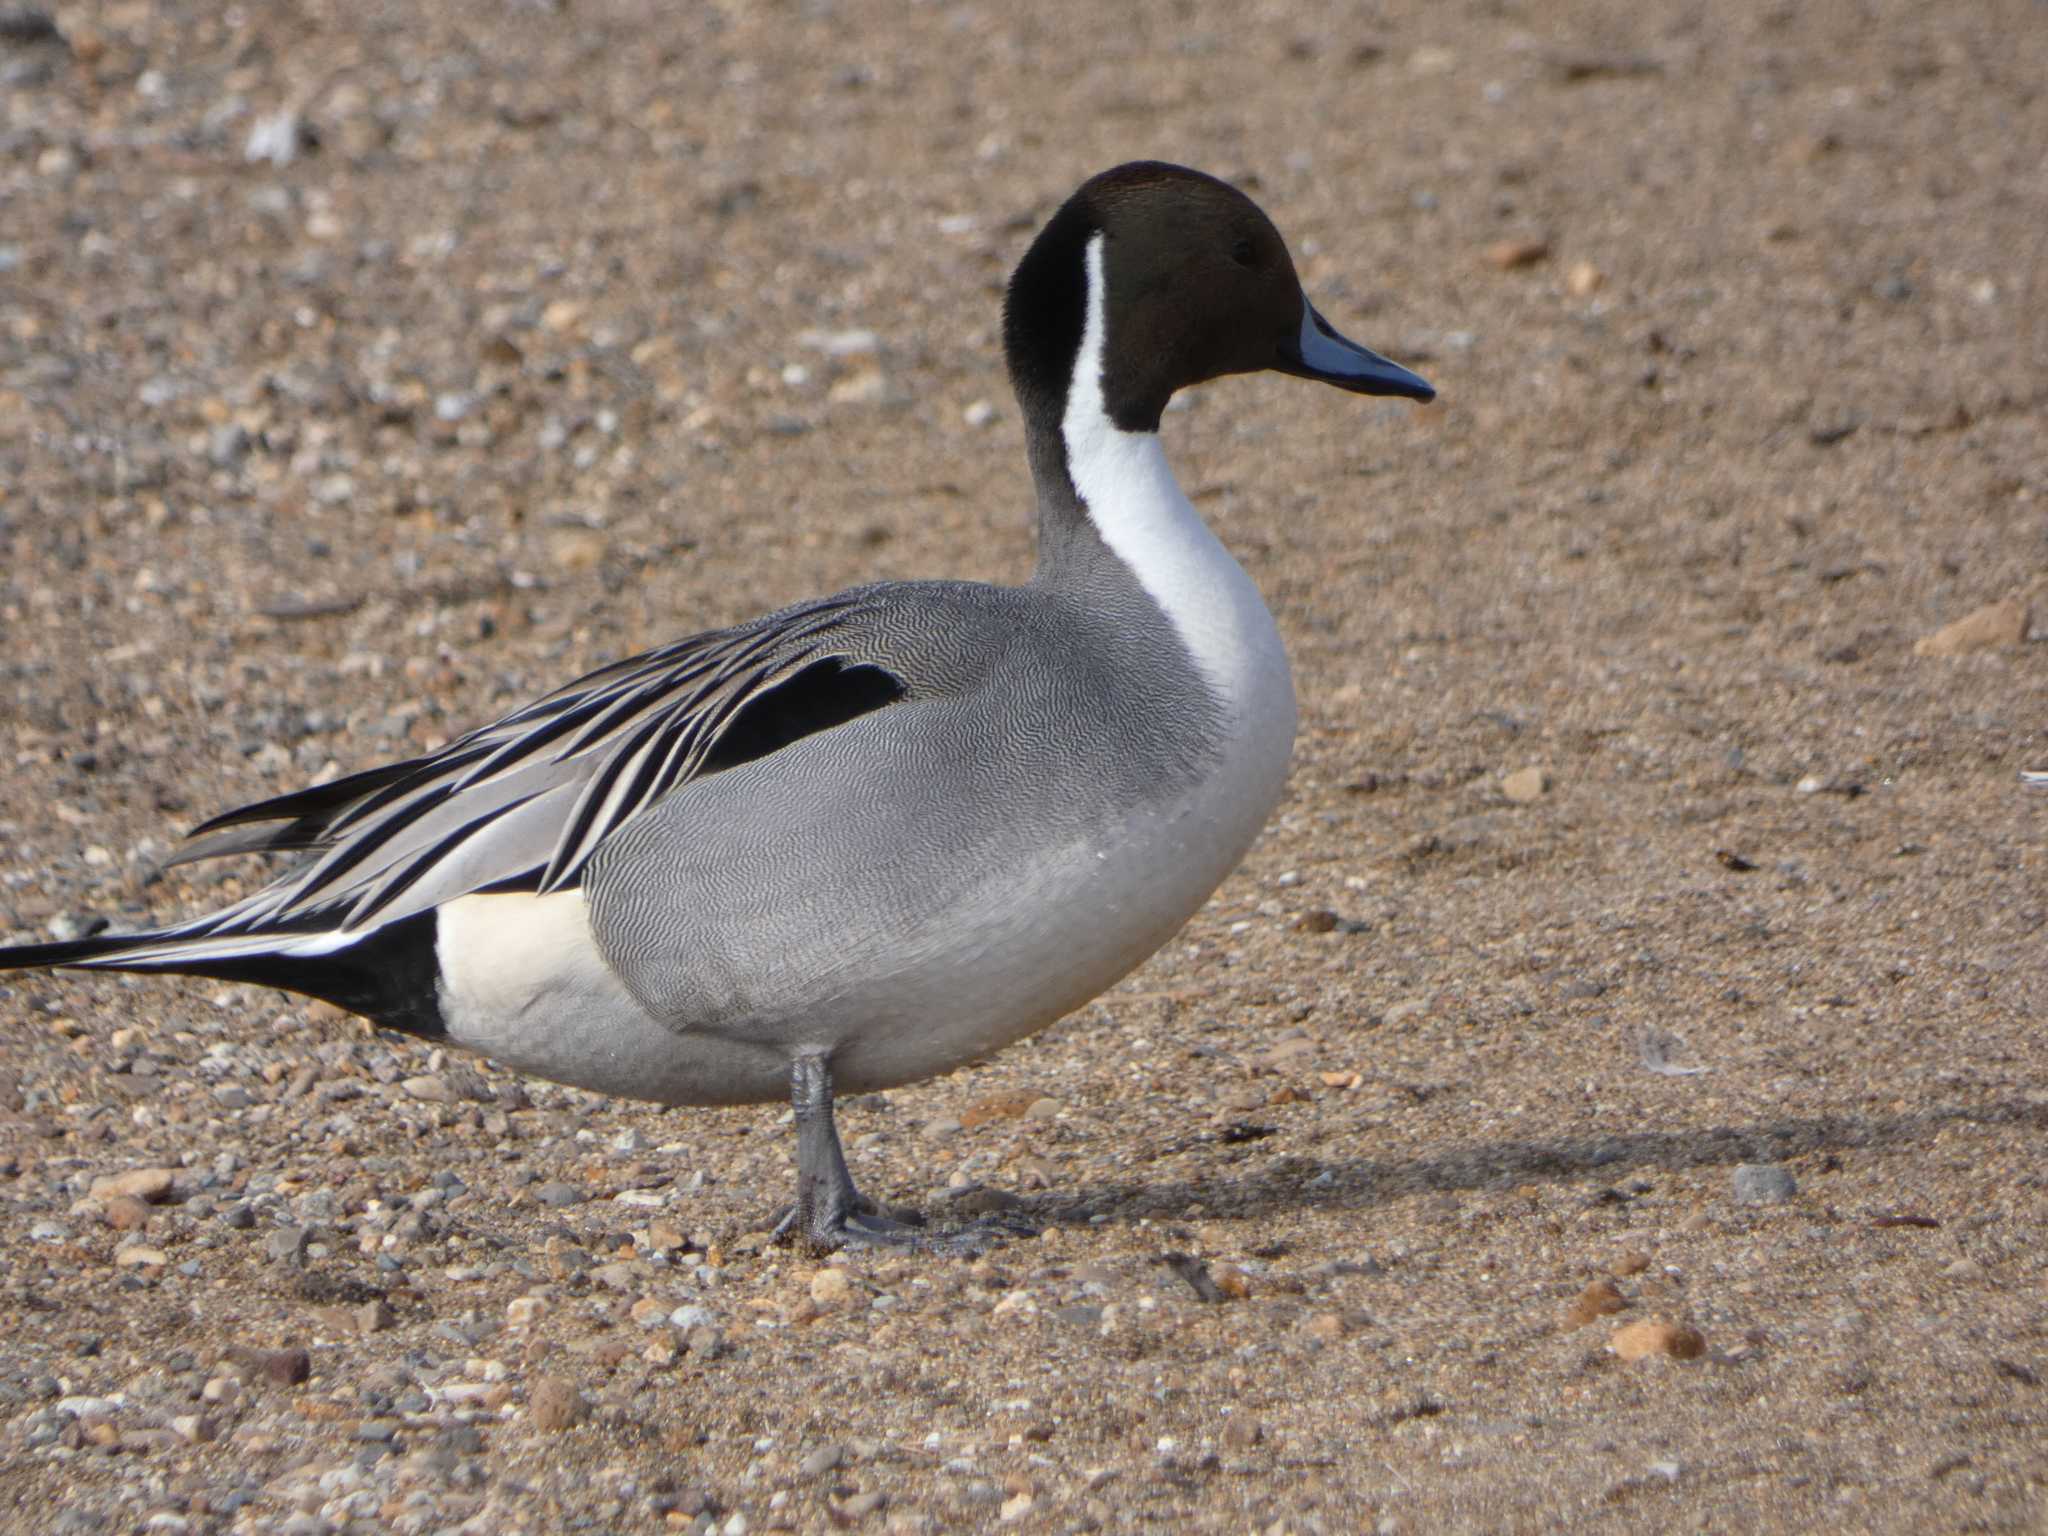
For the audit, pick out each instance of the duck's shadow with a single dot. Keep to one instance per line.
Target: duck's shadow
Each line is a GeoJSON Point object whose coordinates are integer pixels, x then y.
{"type": "Point", "coordinates": [1607, 1165]}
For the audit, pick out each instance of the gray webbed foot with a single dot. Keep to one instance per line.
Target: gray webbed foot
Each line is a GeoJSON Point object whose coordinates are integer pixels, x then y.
{"type": "Point", "coordinates": [830, 1213]}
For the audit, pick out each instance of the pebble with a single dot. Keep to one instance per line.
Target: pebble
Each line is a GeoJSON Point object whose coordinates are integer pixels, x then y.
{"type": "Point", "coordinates": [1526, 785]}
{"type": "Point", "coordinates": [125, 1213]}
{"type": "Point", "coordinates": [831, 1287]}
{"type": "Point", "coordinates": [1325, 1326]}
{"type": "Point", "coordinates": [287, 1245]}
{"type": "Point", "coordinates": [840, 343]}
{"type": "Point", "coordinates": [1510, 254]}
{"type": "Point", "coordinates": [1763, 1183]}
{"type": "Point", "coordinates": [140, 1254]}
{"type": "Point", "coordinates": [997, 1106]}
{"type": "Point", "coordinates": [1600, 1299]}
{"type": "Point", "coordinates": [557, 1194]}
{"type": "Point", "coordinates": [1989, 628]}
{"type": "Point", "coordinates": [820, 1461]}
{"type": "Point", "coordinates": [283, 1367]}
{"type": "Point", "coordinates": [979, 414]}
{"type": "Point", "coordinates": [524, 1311]}
{"type": "Point", "coordinates": [1583, 279]}
{"type": "Point", "coordinates": [940, 1127]}
{"type": "Point", "coordinates": [1231, 1281]}
{"type": "Point", "coordinates": [276, 137]}
{"type": "Point", "coordinates": [1639, 1341]}
{"type": "Point", "coordinates": [152, 1185]}
{"type": "Point", "coordinates": [429, 1087]}
{"type": "Point", "coordinates": [554, 1404]}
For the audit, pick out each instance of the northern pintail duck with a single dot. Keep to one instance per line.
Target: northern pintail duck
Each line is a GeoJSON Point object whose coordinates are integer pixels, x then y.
{"type": "Point", "coordinates": [867, 839]}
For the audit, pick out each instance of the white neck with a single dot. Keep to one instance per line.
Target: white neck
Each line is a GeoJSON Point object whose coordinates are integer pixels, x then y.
{"type": "Point", "coordinates": [1141, 513]}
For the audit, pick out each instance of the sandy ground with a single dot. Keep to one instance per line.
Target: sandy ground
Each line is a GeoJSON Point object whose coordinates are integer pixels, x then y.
{"type": "Point", "coordinates": [534, 339]}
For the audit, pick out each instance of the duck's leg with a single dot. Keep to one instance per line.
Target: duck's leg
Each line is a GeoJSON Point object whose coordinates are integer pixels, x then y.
{"type": "Point", "coordinates": [829, 1211]}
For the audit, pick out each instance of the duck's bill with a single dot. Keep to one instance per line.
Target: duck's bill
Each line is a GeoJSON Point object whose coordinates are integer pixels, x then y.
{"type": "Point", "coordinates": [1320, 353]}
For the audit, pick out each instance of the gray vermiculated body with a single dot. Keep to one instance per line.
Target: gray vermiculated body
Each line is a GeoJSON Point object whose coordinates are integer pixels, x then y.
{"type": "Point", "coordinates": [922, 885]}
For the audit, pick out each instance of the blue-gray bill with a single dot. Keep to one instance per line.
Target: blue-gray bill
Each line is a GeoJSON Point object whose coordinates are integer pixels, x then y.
{"type": "Point", "coordinates": [1320, 353]}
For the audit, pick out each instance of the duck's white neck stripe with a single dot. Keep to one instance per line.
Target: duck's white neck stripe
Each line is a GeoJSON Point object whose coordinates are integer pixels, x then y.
{"type": "Point", "coordinates": [1141, 513]}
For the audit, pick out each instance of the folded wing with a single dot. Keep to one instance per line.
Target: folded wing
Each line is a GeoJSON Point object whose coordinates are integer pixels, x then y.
{"type": "Point", "coordinates": [524, 803]}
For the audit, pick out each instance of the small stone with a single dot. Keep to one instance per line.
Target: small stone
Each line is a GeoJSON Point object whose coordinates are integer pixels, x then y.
{"type": "Point", "coordinates": [1510, 254]}
{"type": "Point", "coordinates": [125, 1213]}
{"type": "Point", "coordinates": [194, 1428]}
{"type": "Point", "coordinates": [1583, 280]}
{"type": "Point", "coordinates": [841, 343]}
{"type": "Point", "coordinates": [1965, 1269]}
{"type": "Point", "coordinates": [1526, 785]}
{"type": "Point", "coordinates": [1633, 1262]}
{"type": "Point", "coordinates": [996, 1106]}
{"type": "Point", "coordinates": [1241, 1434]}
{"type": "Point", "coordinates": [1763, 1183]}
{"type": "Point", "coordinates": [820, 1461]}
{"type": "Point", "coordinates": [1639, 1341]}
{"type": "Point", "coordinates": [431, 1088]}
{"type": "Point", "coordinates": [374, 1316]}
{"type": "Point", "coordinates": [287, 1245]}
{"type": "Point", "coordinates": [831, 1288]}
{"type": "Point", "coordinates": [277, 137]}
{"type": "Point", "coordinates": [562, 315]}
{"type": "Point", "coordinates": [524, 1311]}
{"type": "Point", "coordinates": [941, 1127]}
{"type": "Point", "coordinates": [136, 1255]}
{"type": "Point", "coordinates": [1989, 628]}
{"type": "Point", "coordinates": [554, 1404]}
{"type": "Point", "coordinates": [864, 386]}
{"type": "Point", "coordinates": [281, 1367]}
{"type": "Point", "coordinates": [152, 1185]}
{"type": "Point", "coordinates": [557, 1194]}
{"type": "Point", "coordinates": [979, 414]}
{"type": "Point", "coordinates": [1317, 920]}
{"type": "Point", "coordinates": [1326, 1327]}
{"type": "Point", "coordinates": [1016, 1507]}
{"type": "Point", "coordinates": [972, 1200]}
{"type": "Point", "coordinates": [1598, 1300]}
{"type": "Point", "coordinates": [1231, 1281]}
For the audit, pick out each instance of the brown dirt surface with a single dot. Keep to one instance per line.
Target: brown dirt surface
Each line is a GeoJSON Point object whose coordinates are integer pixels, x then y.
{"type": "Point", "coordinates": [531, 345]}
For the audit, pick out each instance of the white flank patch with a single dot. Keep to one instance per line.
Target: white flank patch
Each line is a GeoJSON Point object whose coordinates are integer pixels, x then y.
{"type": "Point", "coordinates": [505, 954]}
{"type": "Point", "coordinates": [1147, 520]}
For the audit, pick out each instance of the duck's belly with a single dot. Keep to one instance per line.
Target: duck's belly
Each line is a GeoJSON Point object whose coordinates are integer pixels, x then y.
{"type": "Point", "coordinates": [524, 982]}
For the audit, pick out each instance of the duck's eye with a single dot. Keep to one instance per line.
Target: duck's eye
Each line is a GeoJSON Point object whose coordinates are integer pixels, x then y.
{"type": "Point", "coordinates": [1243, 254]}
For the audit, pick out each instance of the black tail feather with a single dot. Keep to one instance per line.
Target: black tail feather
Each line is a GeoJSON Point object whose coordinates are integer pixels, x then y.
{"type": "Point", "coordinates": [391, 975]}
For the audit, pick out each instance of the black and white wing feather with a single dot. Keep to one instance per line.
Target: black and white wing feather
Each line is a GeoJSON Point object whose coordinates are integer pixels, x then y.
{"type": "Point", "coordinates": [525, 802]}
